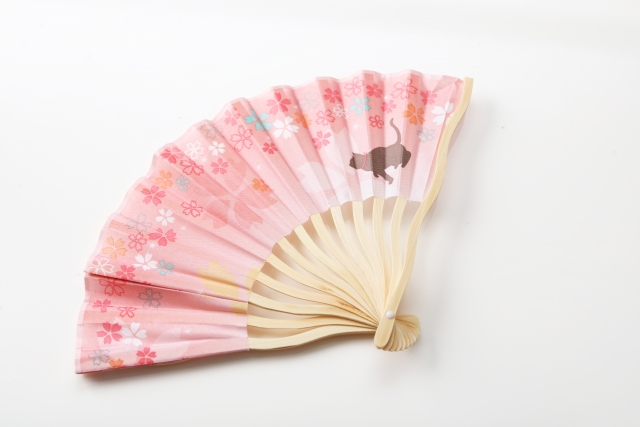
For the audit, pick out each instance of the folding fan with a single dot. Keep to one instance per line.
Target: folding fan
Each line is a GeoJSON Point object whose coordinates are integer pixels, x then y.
{"type": "Point", "coordinates": [249, 231]}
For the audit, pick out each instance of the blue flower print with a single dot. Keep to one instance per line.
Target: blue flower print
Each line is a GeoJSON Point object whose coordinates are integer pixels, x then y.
{"type": "Point", "coordinates": [165, 268]}
{"type": "Point", "coordinates": [261, 123]}
{"type": "Point", "coordinates": [99, 357]}
{"type": "Point", "coordinates": [361, 105]}
{"type": "Point", "coordinates": [182, 183]}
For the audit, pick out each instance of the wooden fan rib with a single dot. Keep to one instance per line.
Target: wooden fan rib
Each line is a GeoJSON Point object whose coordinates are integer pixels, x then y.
{"type": "Point", "coordinates": [304, 323]}
{"type": "Point", "coordinates": [304, 337]}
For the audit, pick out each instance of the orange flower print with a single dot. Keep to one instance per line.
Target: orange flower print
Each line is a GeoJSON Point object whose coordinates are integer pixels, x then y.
{"type": "Point", "coordinates": [259, 184]}
{"type": "Point", "coordinates": [302, 120]}
{"type": "Point", "coordinates": [164, 180]}
{"type": "Point", "coordinates": [415, 115]}
{"type": "Point", "coordinates": [113, 249]}
{"type": "Point", "coordinates": [116, 363]}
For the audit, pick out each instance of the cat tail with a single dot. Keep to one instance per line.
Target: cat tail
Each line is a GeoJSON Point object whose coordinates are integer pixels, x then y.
{"type": "Point", "coordinates": [398, 137]}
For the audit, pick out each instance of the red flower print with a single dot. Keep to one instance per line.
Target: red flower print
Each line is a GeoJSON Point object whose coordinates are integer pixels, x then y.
{"type": "Point", "coordinates": [153, 195]}
{"type": "Point", "coordinates": [403, 90]}
{"type": "Point", "coordinates": [325, 117]}
{"type": "Point", "coordinates": [231, 117]}
{"type": "Point", "coordinates": [127, 311]}
{"type": "Point", "coordinates": [146, 356]}
{"type": "Point", "coordinates": [302, 119]}
{"type": "Point", "coordinates": [137, 241]}
{"type": "Point", "coordinates": [415, 115]}
{"type": "Point", "coordinates": [114, 248]}
{"type": "Point", "coordinates": [428, 97]}
{"type": "Point", "coordinates": [242, 139]}
{"type": "Point", "coordinates": [172, 154]}
{"type": "Point", "coordinates": [322, 139]}
{"type": "Point", "coordinates": [191, 208]}
{"type": "Point", "coordinates": [112, 286]}
{"type": "Point", "coordinates": [259, 184]}
{"type": "Point", "coordinates": [219, 166]}
{"type": "Point", "coordinates": [116, 363]}
{"type": "Point", "coordinates": [163, 237]}
{"type": "Point", "coordinates": [126, 273]}
{"type": "Point", "coordinates": [102, 305]}
{"type": "Point", "coordinates": [376, 121]}
{"type": "Point", "coordinates": [278, 103]}
{"type": "Point", "coordinates": [269, 148]}
{"type": "Point", "coordinates": [110, 332]}
{"type": "Point", "coordinates": [191, 167]}
{"type": "Point", "coordinates": [388, 107]}
{"type": "Point", "coordinates": [354, 87]}
{"type": "Point", "coordinates": [332, 95]}
{"type": "Point", "coordinates": [374, 90]}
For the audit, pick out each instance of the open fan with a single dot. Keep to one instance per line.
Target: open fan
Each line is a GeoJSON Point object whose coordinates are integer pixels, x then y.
{"type": "Point", "coordinates": [237, 238]}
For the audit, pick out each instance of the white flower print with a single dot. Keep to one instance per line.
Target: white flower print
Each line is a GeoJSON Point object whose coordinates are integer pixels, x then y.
{"type": "Point", "coordinates": [134, 334]}
{"type": "Point", "coordinates": [442, 113]}
{"type": "Point", "coordinates": [309, 101]}
{"type": "Point", "coordinates": [340, 111]}
{"type": "Point", "coordinates": [285, 128]}
{"type": "Point", "coordinates": [101, 266]}
{"type": "Point", "coordinates": [194, 149]}
{"type": "Point", "coordinates": [145, 262]}
{"type": "Point", "coordinates": [165, 217]}
{"type": "Point", "coordinates": [216, 148]}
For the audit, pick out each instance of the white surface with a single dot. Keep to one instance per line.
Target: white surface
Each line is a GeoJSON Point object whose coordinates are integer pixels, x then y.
{"type": "Point", "coordinates": [528, 281]}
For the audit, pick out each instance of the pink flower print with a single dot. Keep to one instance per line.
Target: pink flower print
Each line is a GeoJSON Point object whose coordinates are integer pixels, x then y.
{"type": "Point", "coordinates": [137, 241]}
{"type": "Point", "coordinates": [191, 208]}
{"type": "Point", "coordinates": [388, 107]}
{"type": "Point", "coordinates": [101, 266]}
{"type": "Point", "coordinates": [242, 139]}
{"type": "Point", "coordinates": [403, 90]}
{"type": "Point", "coordinates": [325, 117]}
{"type": "Point", "coordinates": [269, 147]}
{"type": "Point", "coordinates": [231, 117]}
{"type": "Point", "coordinates": [354, 87]}
{"type": "Point", "coordinates": [163, 237]}
{"type": "Point", "coordinates": [322, 139]}
{"type": "Point", "coordinates": [112, 286]}
{"type": "Point", "coordinates": [376, 121]}
{"type": "Point", "coordinates": [278, 104]}
{"type": "Point", "coordinates": [191, 167]}
{"type": "Point", "coordinates": [110, 332]}
{"type": "Point", "coordinates": [374, 90]}
{"type": "Point", "coordinates": [127, 312]}
{"type": "Point", "coordinates": [154, 194]}
{"type": "Point", "coordinates": [114, 248]}
{"type": "Point", "coordinates": [428, 97]}
{"type": "Point", "coordinates": [172, 154]}
{"type": "Point", "coordinates": [126, 273]}
{"type": "Point", "coordinates": [332, 95]}
{"type": "Point", "coordinates": [219, 166]}
{"type": "Point", "coordinates": [102, 305]}
{"type": "Point", "coordinates": [146, 356]}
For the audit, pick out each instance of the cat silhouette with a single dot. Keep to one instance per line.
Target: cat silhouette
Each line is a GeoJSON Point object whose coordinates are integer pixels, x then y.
{"type": "Point", "coordinates": [379, 159]}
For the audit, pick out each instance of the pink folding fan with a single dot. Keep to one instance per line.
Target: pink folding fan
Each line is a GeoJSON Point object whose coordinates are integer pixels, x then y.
{"type": "Point", "coordinates": [249, 232]}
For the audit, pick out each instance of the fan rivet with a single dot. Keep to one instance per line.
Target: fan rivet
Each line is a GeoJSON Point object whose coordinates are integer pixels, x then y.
{"type": "Point", "coordinates": [390, 315]}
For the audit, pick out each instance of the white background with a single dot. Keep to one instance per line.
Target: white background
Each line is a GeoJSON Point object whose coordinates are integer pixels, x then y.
{"type": "Point", "coordinates": [528, 280]}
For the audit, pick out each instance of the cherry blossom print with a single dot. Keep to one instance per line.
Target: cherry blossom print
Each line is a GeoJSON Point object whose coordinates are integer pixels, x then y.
{"type": "Point", "coordinates": [340, 111]}
{"type": "Point", "coordinates": [137, 241]}
{"type": "Point", "coordinates": [183, 183]}
{"type": "Point", "coordinates": [309, 101]}
{"type": "Point", "coordinates": [172, 154]}
{"type": "Point", "coordinates": [321, 139]}
{"type": "Point", "coordinates": [146, 262]}
{"type": "Point", "coordinates": [153, 194]}
{"type": "Point", "coordinates": [442, 113]}
{"type": "Point", "coordinates": [388, 106]}
{"type": "Point", "coordinates": [360, 105]}
{"type": "Point", "coordinates": [376, 121]}
{"type": "Point", "coordinates": [302, 119]}
{"type": "Point", "coordinates": [325, 117]}
{"type": "Point", "coordinates": [164, 268]}
{"type": "Point", "coordinates": [209, 130]}
{"type": "Point", "coordinates": [425, 135]}
{"type": "Point", "coordinates": [231, 117]}
{"type": "Point", "coordinates": [285, 129]}
{"type": "Point", "coordinates": [216, 148]}
{"type": "Point", "coordinates": [219, 166]}
{"type": "Point", "coordinates": [112, 286]}
{"type": "Point", "coordinates": [102, 305]}
{"type": "Point", "coordinates": [428, 97]}
{"type": "Point", "coordinates": [259, 184]}
{"type": "Point", "coordinates": [165, 216]}
{"type": "Point", "coordinates": [354, 87]}
{"type": "Point", "coordinates": [242, 139]}
{"type": "Point", "coordinates": [332, 95]}
{"type": "Point", "coordinates": [126, 272]}
{"type": "Point", "coordinates": [414, 114]}
{"type": "Point", "coordinates": [164, 180]}
{"type": "Point", "coordinates": [191, 208]}
{"type": "Point", "coordinates": [194, 150]}
{"type": "Point", "coordinates": [110, 332]}
{"type": "Point", "coordinates": [133, 334]}
{"type": "Point", "coordinates": [140, 224]}
{"type": "Point", "coordinates": [260, 121]}
{"type": "Point", "coordinates": [115, 364]}
{"type": "Point", "coordinates": [374, 90]}
{"type": "Point", "coordinates": [269, 147]}
{"type": "Point", "coordinates": [114, 248]}
{"type": "Point", "coordinates": [163, 237]}
{"type": "Point", "coordinates": [191, 167]}
{"type": "Point", "coordinates": [278, 103]}
{"type": "Point", "coordinates": [150, 297]}
{"type": "Point", "coordinates": [127, 312]}
{"type": "Point", "coordinates": [146, 356]}
{"type": "Point", "coordinates": [101, 266]}
{"type": "Point", "coordinates": [403, 89]}
{"type": "Point", "coordinates": [99, 357]}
